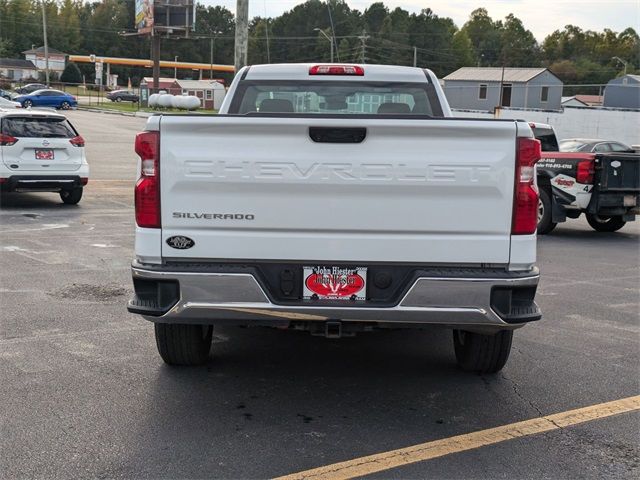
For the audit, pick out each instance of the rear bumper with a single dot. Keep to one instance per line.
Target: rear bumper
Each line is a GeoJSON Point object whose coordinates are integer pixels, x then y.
{"type": "Point", "coordinates": [42, 183]}
{"type": "Point", "coordinates": [625, 203]}
{"type": "Point", "coordinates": [455, 298]}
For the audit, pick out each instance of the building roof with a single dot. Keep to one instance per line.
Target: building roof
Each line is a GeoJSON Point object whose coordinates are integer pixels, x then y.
{"type": "Point", "coordinates": [573, 98]}
{"type": "Point", "coordinates": [494, 74]}
{"type": "Point", "coordinates": [52, 51]}
{"type": "Point", "coordinates": [621, 80]}
{"type": "Point", "coordinates": [199, 84]}
{"type": "Point", "coordinates": [590, 99]}
{"type": "Point", "coordinates": [17, 63]}
{"type": "Point", "coordinates": [164, 82]}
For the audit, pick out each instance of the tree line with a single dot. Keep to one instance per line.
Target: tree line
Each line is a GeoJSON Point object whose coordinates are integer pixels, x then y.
{"type": "Point", "coordinates": [376, 35]}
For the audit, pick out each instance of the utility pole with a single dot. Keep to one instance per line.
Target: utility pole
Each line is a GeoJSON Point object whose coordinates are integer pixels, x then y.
{"type": "Point", "coordinates": [415, 56]}
{"type": "Point", "coordinates": [501, 91]}
{"type": "Point", "coordinates": [211, 40]}
{"type": "Point", "coordinates": [242, 33]}
{"type": "Point", "coordinates": [363, 38]}
{"type": "Point", "coordinates": [155, 59]}
{"type": "Point", "coordinates": [175, 67]}
{"type": "Point", "coordinates": [46, 43]}
{"type": "Point", "coordinates": [268, 50]}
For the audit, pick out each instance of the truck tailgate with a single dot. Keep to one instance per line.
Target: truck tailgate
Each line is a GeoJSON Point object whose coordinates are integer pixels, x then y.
{"type": "Point", "coordinates": [618, 172]}
{"type": "Point", "coordinates": [421, 191]}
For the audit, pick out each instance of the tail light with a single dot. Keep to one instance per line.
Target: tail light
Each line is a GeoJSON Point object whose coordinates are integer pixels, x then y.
{"type": "Point", "coordinates": [84, 180]}
{"type": "Point", "coordinates": [525, 204]}
{"type": "Point", "coordinates": [7, 140]}
{"type": "Point", "coordinates": [147, 190]}
{"type": "Point", "coordinates": [77, 141]}
{"type": "Point", "coordinates": [336, 70]}
{"type": "Point", "coordinates": [585, 173]}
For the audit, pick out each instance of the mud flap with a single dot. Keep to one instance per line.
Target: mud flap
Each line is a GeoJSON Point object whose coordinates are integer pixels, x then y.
{"type": "Point", "coordinates": [558, 212]}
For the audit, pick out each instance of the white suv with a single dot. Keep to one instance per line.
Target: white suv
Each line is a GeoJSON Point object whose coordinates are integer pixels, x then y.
{"type": "Point", "coordinates": [41, 152]}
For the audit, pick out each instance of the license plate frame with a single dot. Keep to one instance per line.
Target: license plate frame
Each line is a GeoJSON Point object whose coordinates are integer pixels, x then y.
{"type": "Point", "coordinates": [322, 282]}
{"type": "Point", "coordinates": [44, 154]}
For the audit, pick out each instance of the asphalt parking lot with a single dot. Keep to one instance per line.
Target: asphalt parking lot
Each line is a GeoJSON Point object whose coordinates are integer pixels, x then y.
{"type": "Point", "coordinates": [84, 393]}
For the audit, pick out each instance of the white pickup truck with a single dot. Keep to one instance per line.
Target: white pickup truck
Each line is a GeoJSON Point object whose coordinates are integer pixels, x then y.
{"type": "Point", "coordinates": [336, 199]}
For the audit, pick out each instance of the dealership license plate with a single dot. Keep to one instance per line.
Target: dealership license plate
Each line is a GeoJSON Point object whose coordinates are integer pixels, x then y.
{"type": "Point", "coordinates": [334, 283]}
{"type": "Point", "coordinates": [44, 154]}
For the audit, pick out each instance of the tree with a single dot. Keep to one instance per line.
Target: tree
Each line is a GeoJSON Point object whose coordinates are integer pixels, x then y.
{"type": "Point", "coordinates": [71, 74]}
{"type": "Point", "coordinates": [485, 36]}
{"type": "Point", "coordinates": [519, 46]}
{"type": "Point", "coordinates": [69, 37]}
{"type": "Point", "coordinates": [463, 50]}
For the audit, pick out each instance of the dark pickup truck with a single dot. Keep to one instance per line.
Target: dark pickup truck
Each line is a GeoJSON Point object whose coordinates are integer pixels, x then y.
{"type": "Point", "coordinates": [603, 186]}
{"type": "Point", "coordinates": [600, 179]}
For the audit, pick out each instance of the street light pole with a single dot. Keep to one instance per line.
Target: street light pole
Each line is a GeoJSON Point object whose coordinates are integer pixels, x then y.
{"type": "Point", "coordinates": [328, 38]}
{"type": "Point", "coordinates": [46, 43]}
{"type": "Point", "coordinates": [622, 62]}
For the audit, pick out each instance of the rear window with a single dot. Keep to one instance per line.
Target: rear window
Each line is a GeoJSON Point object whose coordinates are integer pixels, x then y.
{"type": "Point", "coordinates": [336, 98]}
{"type": "Point", "coordinates": [34, 127]}
{"type": "Point", "coordinates": [547, 138]}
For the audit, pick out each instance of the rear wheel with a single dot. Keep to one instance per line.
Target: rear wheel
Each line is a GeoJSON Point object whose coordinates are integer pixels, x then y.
{"type": "Point", "coordinates": [118, 99]}
{"type": "Point", "coordinates": [605, 224]}
{"type": "Point", "coordinates": [65, 105]}
{"type": "Point", "coordinates": [71, 197]}
{"type": "Point", "coordinates": [183, 344]}
{"type": "Point", "coordinates": [545, 225]}
{"type": "Point", "coordinates": [480, 353]}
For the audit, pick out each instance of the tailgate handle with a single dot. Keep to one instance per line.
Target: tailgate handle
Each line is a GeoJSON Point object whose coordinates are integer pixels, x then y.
{"type": "Point", "coordinates": [337, 134]}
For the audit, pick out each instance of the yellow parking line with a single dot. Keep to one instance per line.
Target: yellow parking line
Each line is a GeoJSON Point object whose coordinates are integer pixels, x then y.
{"type": "Point", "coordinates": [395, 458]}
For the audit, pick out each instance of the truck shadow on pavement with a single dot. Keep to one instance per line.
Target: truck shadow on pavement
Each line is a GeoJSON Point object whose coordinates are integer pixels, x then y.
{"type": "Point", "coordinates": [267, 395]}
{"type": "Point", "coordinates": [627, 234]}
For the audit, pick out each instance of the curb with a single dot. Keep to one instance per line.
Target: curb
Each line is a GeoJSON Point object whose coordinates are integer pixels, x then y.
{"type": "Point", "coordinates": [115, 112]}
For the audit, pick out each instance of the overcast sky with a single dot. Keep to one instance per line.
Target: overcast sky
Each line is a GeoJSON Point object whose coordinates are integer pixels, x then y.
{"type": "Point", "coordinates": [540, 16]}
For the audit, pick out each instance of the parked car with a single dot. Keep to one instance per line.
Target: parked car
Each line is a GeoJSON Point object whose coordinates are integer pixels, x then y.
{"type": "Point", "coordinates": [603, 184]}
{"type": "Point", "coordinates": [588, 145]}
{"type": "Point", "coordinates": [30, 87]}
{"type": "Point", "coordinates": [6, 94]}
{"type": "Point", "coordinates": [122, 96]}
{"type": "Point", "coordinates": [4, 103]}
{"type": "Point", "coordinates": [330, 217]}
{"type": "Point", "coordinates": [48, 98]}
{"type": "Point", "coordinates": [41, 152]}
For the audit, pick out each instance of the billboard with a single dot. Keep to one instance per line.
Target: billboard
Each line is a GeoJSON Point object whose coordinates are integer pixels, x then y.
{"type": "Point", "coordinates": [175, 14]}
{"type": "Point", "coordinates": [144, 16]}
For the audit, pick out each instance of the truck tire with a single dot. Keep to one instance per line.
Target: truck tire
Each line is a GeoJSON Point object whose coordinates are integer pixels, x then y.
{"type": "Point", "coordinates": [183, 344]}
{"type": "Point", "coordinates": [545, 225]}
{"type": "Point", "coordinates": [71, 197]}
{"type": "Point", "coordinates": [480, 353]}
{"type": "Point", "coordinates": [605, 224]}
